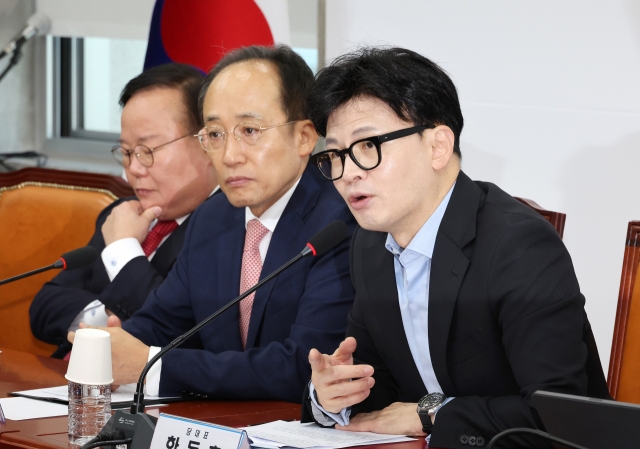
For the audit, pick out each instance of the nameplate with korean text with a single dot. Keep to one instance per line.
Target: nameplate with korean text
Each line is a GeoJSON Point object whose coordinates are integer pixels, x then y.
{"type": "Point", "coordinates": [175, 432]}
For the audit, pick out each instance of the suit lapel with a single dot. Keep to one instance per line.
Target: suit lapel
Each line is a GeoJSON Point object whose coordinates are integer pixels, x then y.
{"type": "Point", "coordinates": [448, 268]}
{"type": "Point", "coordinates": [168, 252]}
{"type": "Point", "coordinates": [230, 244]}
{"type": "Point", "coordinates": [281, 247]}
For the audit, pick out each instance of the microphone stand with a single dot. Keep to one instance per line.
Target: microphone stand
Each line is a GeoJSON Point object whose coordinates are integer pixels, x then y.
{"type": "Point", "coordinates": [15, 58]}
{"type": "Point", "coordinates": [57, 264]}
{"type": "Point", "coordinates": [138, 425]}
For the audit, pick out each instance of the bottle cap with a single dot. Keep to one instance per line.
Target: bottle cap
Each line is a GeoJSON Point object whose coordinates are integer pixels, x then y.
{"type": "Point", "coordinates": [90, 362]}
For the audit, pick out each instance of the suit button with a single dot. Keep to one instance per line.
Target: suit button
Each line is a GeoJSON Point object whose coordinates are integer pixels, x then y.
{"type": "Point", "coordinates": [479, 441]}
{"type": "Point", "coordinates": [472, 441]}
{"type": "Point", "coordinates": [116, 308]}
{"type": "Point", "coordinates": [464, 439]}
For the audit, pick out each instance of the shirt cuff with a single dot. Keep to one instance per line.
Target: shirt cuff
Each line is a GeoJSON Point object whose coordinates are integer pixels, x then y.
{"type": "Point", "coordinates": [323, 417]}
{"type": "Point", "coordinates": [119, 253]}
{"type": "Point", "coordinates": [152, 387]}
{"type": "Point", "coordinates": [93, 315]}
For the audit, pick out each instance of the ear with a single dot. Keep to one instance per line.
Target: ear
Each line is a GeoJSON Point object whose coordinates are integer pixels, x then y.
{"type": "Point", "coordinates": [442, 143]}
{"type": "Point", "coordinates": [306, 137]}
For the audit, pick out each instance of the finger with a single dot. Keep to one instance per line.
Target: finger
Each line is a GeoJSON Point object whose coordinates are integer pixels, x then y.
{"type": "Point", "coordinates": [346, 389]}
{"type": "Point", "coordinates": [341, 373]}
{"type": "Point", "coordinates": [317, 360]}
{"type": "Point", "coordinates": [345, 351]}
{"type": "Point", "coordinates": [335, 405]}
{"type": "Point", "coordinates": [114, 321]}
{"type": "Point", "coordinates": [152, 213]}
{"type": "Point", "coordinates": [71, 336]}
{"type": "Point", "coordinates": [83, 325]}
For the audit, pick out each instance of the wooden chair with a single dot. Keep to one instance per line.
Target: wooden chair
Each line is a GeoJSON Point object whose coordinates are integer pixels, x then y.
{"type": "Point", "coordinates": [624, 364]}
{"type": "Point", "coordinates": [557, 219]}
{"type": "Point", "coordinates": [43, 213]}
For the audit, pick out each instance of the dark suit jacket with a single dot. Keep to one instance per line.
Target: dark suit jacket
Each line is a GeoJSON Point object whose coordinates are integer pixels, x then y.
{"type": "Point", "coordinates": [66, 295]}
{"type": "Point", "coordinates": [506, 318]}
{"type": "Point", "coordinates": [305, 307]}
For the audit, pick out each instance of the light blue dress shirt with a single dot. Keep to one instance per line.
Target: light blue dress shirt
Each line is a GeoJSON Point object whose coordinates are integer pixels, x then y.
{"type": "Point", "coordinates": [413, 272]}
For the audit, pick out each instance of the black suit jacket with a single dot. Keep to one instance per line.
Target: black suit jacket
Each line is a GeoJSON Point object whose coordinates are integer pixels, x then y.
{"type": "Point", "coordinates": [66, 295]}
{"type": "Point", "coordinates": [506, 318]}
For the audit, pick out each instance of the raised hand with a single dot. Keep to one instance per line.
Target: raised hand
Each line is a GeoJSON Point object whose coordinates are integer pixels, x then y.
{"type": "Point", "coordinates": [337, 381]}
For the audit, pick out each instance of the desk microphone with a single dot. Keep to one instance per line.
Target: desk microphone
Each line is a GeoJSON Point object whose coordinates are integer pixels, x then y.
{"type": "Point", "coordinates": [77, 258]}
{"type": "Point", "coordinates": [139, 425]}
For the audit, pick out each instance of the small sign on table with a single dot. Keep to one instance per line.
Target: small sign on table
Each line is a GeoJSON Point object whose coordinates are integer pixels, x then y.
{"type": "Point", "coordinates": [174, 432]}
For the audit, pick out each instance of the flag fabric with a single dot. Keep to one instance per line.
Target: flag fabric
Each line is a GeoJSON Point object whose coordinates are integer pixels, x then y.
{"type": "Point", "coordinates": [200, 32]}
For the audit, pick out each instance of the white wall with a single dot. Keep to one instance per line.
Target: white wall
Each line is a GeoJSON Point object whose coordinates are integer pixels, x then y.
{"type": "Point", "coordinates": [17, 88]}
{"type": "Point", "coordinates": [550, 93]}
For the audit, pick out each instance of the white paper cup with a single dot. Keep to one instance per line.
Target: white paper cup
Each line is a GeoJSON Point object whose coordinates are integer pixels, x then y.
{"type": "Point", "coordinates": [90, 362]}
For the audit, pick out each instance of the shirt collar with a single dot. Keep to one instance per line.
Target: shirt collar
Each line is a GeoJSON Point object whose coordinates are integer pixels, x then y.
{"type": "Point", "coordinates": [424, 241]}
{"type": "Point", "coordinates": [271, 216]}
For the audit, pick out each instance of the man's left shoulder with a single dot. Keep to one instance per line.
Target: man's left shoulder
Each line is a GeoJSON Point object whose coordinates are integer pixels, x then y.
{"type": "Point", "coordinates": [500, 211]}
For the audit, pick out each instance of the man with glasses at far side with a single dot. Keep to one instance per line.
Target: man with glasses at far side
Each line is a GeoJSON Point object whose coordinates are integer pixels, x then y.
{"type": "Point", "coordinates": [139, 238]}
{"type": "Point", "coordinates": [466, 299]}
{"type": "Point", "coordinates": [259, 139]}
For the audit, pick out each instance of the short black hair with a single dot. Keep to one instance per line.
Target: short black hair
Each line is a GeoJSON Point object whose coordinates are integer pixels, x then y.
{"type": "Point", "coordinates": [414, 87]}
{"type": "Point", "coordinates": [182, 77]}
{"type": "Point", "coordinates": [296, 78]}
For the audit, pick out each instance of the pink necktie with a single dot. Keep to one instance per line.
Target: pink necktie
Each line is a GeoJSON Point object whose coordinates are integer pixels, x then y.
{"type": "Point", "coordinates": [155, 236]}
{"type": "Point", "coordinates": [251, 268]}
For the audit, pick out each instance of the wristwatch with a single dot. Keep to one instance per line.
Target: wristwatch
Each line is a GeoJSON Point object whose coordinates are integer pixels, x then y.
{"type": "Point", "coordinates": [427, 407]}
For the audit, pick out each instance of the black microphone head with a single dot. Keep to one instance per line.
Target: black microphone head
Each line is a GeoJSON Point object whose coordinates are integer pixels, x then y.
{"type": "Point", "coordinates": [77, 258]}
{"type": "Point", "coordinates": [327, 238]}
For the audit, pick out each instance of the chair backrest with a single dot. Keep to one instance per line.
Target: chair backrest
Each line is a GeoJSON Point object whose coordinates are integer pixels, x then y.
{"type": "Point", "coordinates": [624, 364]}
{"type": "Point", "coordinates": [557, 219]}
{"type": "Point", "coordinates": [43, 213]}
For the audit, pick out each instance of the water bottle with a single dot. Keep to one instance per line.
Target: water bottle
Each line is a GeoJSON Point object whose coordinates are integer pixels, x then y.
{"type": "Point", "coordinates": [89, 411]}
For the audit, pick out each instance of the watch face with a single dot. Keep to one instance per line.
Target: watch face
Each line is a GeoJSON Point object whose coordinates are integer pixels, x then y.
{"type": "Point", "coordinates": [430, 401]}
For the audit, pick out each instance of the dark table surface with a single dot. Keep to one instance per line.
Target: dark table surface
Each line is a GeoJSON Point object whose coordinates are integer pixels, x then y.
{"type": "Point", "coordinates": [22, 371]}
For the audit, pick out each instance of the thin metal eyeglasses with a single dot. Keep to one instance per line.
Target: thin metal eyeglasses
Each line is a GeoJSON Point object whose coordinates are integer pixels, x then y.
{"type": "Point", "coordinates": [365, 153]}
{"type": "Point", "coordinates": [212, 138]}
{"type": "Point", "coordinates": [142, 152]}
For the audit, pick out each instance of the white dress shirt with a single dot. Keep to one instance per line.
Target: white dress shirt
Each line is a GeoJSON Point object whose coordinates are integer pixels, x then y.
{"type": "Point", "coordinates": [114, 257]}
{"type": "Point", "coordinates": [269, 219]}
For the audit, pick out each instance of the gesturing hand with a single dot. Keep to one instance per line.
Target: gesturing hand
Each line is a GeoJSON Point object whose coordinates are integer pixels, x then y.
{"type": "Point", "coordinates": [337, 381]}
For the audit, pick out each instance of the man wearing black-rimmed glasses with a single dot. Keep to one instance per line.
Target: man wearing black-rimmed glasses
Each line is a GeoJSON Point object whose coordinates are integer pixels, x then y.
{"type": "Point", "coordinates": [139, 238]}
{"type": "Point", "coordinates": [466, 300]}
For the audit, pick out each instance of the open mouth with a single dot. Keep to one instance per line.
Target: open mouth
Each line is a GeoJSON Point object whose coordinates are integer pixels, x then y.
{"type": "Point", "coordinates": [358, 201]}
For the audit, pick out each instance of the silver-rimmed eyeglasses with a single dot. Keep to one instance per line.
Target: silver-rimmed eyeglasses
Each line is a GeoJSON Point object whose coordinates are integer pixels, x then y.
{"type": "Point", "coordinates": [365, 153]}
{"type": "Point", "coordinates": [212, 138]}
{"type": "Point", "coordinates": [142, 152]}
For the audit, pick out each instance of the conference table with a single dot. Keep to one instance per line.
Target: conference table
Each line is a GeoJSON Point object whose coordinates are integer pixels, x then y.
{"type": "Point", "coordinates": [22, 371]}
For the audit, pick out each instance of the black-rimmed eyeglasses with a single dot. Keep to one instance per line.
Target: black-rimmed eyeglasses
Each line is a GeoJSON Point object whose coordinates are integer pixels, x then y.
{"type": "Point", "coordinates": [365, 153]}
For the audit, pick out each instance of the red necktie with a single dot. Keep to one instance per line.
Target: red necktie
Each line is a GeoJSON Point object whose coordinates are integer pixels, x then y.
{"type": "Point", "coordinates": [155, 236]}
{"type": "Point", "coordinates": [250, 274]}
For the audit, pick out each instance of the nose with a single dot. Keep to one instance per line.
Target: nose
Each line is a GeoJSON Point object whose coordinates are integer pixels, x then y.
{"type": "Point", "coordinates": [136, 168]}
{"type": "Point", "coordinates": [232, 153]}
{"type": "Point", "coordinates": [351, 171]}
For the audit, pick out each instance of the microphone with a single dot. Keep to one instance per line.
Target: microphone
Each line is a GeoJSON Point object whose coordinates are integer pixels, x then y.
{"type": "Point", "coordinates": [77, 258]}
{"type": "Point", "coordinates": [319, 244]}
{"type": "Point", "coordinates": [37, 24]}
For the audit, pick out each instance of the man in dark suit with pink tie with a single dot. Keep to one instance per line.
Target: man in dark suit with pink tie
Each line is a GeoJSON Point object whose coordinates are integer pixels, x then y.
{"type": "Point", "coordinates": [259, 140]}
